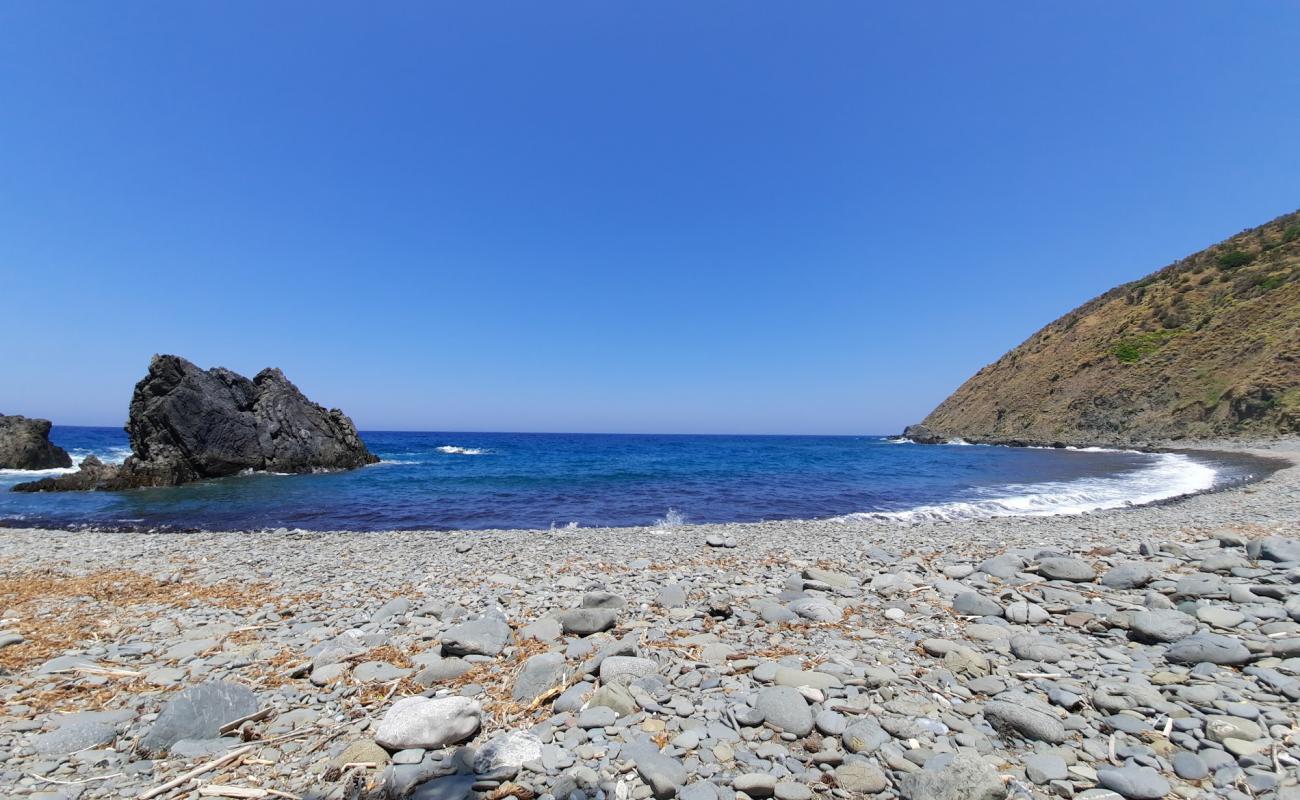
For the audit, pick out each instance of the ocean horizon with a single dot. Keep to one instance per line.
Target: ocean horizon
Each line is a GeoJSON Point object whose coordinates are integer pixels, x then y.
{"type": "Point", "coordinates": [444, 480]}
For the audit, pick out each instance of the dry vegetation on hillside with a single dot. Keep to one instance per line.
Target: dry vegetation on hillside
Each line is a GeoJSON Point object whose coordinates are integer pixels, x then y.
{"type": "Point", "coordinates": [1208, 346]}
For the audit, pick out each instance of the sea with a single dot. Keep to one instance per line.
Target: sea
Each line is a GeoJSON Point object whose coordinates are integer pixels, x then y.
{"type": "Point", "coordinates": [449, 481]}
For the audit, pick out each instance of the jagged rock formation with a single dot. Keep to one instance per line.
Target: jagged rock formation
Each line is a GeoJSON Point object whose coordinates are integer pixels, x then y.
{"type": "Point", "coordinates": [188, 424]}
{"type": "Point", "coordinates": [1206, 347]}
{"type": "Point", "coordinates": [25, 444]}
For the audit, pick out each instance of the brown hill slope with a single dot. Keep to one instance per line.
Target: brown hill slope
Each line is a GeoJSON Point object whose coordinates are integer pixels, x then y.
{"type": "Point", "coordinates": [1206, 347]}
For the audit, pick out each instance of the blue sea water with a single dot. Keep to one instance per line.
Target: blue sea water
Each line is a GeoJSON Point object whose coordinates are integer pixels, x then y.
{"type": "Point", "coordinates": [509, 480]}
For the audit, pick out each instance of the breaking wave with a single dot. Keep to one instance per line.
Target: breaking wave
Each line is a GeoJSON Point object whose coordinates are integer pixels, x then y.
{"type": "Point", "coordinates": [452, 449]}
{"type": "Point", "coordinates": [112, 455]}
{"type": "Point", "coordinates": [1171, 475]}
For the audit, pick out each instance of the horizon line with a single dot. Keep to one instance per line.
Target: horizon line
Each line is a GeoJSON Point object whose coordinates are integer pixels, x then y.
{"type": "Point", "coordinates": [575, 433]}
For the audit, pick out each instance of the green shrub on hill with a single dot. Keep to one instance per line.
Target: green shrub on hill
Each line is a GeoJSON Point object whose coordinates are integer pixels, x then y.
{"type": "Point", "coordinates": [1234, 259]}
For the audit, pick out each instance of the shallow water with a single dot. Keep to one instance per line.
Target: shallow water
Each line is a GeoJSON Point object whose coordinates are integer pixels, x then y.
{"type": "Point", "coordinates": [506, 480]}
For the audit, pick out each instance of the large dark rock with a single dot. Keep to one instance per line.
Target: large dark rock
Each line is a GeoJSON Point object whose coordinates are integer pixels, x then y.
{"type": "Point", "coordinates": [188, 424]}
{"type": "Point", "coordinates": [25, 444]}
{"type": "Point", "coordinates": [923, 435]}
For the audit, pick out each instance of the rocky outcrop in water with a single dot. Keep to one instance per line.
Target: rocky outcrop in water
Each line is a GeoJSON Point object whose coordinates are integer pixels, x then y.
{"type": "Point", "coordinates": [188, 424]}
{"type": "Point", "coordinates": [25, 444]}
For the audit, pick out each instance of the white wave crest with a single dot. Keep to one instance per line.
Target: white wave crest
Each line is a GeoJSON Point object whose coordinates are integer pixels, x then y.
{"type": "Point", "coordinates": [673, 519]}
{"type": "Point", "coordinates": [1171, 475]}
{"type": "Point", "coordinates": [452, 449]}
{"type": "Point", "coordinates": [114, 455]}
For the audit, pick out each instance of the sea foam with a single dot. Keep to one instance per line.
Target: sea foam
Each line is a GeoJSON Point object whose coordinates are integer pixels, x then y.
{"type": "Point", "coordinates": [452, 449]}
{"type": "Point", "coordinates": [1171, 475]}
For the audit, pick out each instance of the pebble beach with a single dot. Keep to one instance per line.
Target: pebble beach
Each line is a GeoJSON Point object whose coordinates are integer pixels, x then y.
{"type": "Point", "coordinates": [1136, 653]}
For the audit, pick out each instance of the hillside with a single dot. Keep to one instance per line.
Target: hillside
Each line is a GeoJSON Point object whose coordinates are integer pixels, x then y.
{"type": "Point", "coordinates": [1207, 347]}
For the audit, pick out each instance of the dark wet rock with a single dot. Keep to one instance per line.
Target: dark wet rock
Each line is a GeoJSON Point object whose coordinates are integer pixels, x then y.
{"type": "Point", "coordinates": [198, 713]}
{"type": "Point", "coordinates": [188, 424]}
{"type": "Point", "coordinates": [91, 475]}
{"type": "Point", "coordinates": [25, 444]}
{"type": "Point", "coordinates": [923, 435]}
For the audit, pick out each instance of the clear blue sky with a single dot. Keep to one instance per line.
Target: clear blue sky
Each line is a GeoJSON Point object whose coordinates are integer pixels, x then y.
{"type": "Point", "coordinates": [691, 217]}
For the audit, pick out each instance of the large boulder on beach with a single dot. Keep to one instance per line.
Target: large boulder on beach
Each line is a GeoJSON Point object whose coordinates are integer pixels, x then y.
{"type": "Point", "coordinates": [188, 424]}
{"type": "Point", "coordinates": [25, 444]}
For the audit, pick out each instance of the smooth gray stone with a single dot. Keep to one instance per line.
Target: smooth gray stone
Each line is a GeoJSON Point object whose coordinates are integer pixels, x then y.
{"type": "Point", "coordinates": [663, 774]}
{"type": "Point", "coordinates": [861, 777]}
{"type": "Point", "coordinates": [1209, 648]}
{"type": "Point", "coordinates": [1022, 612]}
{"type": "Point", "coordinates": [586, 621]}
{"type": "Point", "coordinates": [198, 713]}
{"type": "Point", "coordinates": [831, 723]}
{"type": "Point", "coordinates": [755, 784]}
{"type": "Point", "coordinates": [700, 790]}
{"type": "Point", "coordinates": [539, 674]}
{"type": "Point", "coordinates": [1274, 548]}
{"type": "Point", "coordinates": [976, 605]}
{"type": "Point", "coordinates": [597, 717]}
{"type": "Point", "coordinates": [442, 669]}
{"type": "Point", "coordinates": [1003, 566]}
{"type": "Point", "coordinates": [1066, 569]}
{"type": "Point", "coordinates": [1134, 783]}
{"type": "Point", "coordinates": [452, 787]}
{"type": "Point", "coordinates": [393, 608]}
{"type": "Point", "coordinates": [785, 708]}
{"type": "Point", "coordinates": [69, 738]}
{"type": "Point", "coordinates": [1043, 768]}
{"type": "Point", "coordinates": [671, 596]}
{"type": "Point", "coordinates": [602, 600]}
{"type": "Point", "coordinates": [864, 736]}
{"type": "Point", "coordinates": [1128, 575]}
{"type": "Point", "coordinates": [1189, 766]}
{"type": "Point", "coordinates": [1019, 714]}
{"type": "Point", "coordinates": [1032, 647]}
{"type": "Point", "coordinates": [1162, 626]}
{"type": "Point", "coordinates": [486, 635]}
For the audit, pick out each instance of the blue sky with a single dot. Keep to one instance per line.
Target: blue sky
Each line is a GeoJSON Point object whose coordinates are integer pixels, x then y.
{"type": "Point", "coordinates": [673, 217]}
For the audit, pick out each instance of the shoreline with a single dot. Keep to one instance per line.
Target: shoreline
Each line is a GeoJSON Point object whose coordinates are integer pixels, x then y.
{"type": "Point", "coordinates": [918, 638]}
{"type": "Point", "coordinates": [1264, 454]}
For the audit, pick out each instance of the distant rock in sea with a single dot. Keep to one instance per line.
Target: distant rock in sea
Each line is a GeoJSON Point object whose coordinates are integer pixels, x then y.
{"type": "Point", "coordinates": [1207, 347]}
{"type": "Point", "coordinates": [25, 444]}
{"type": "Point", "coordinates": [188, 424]}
